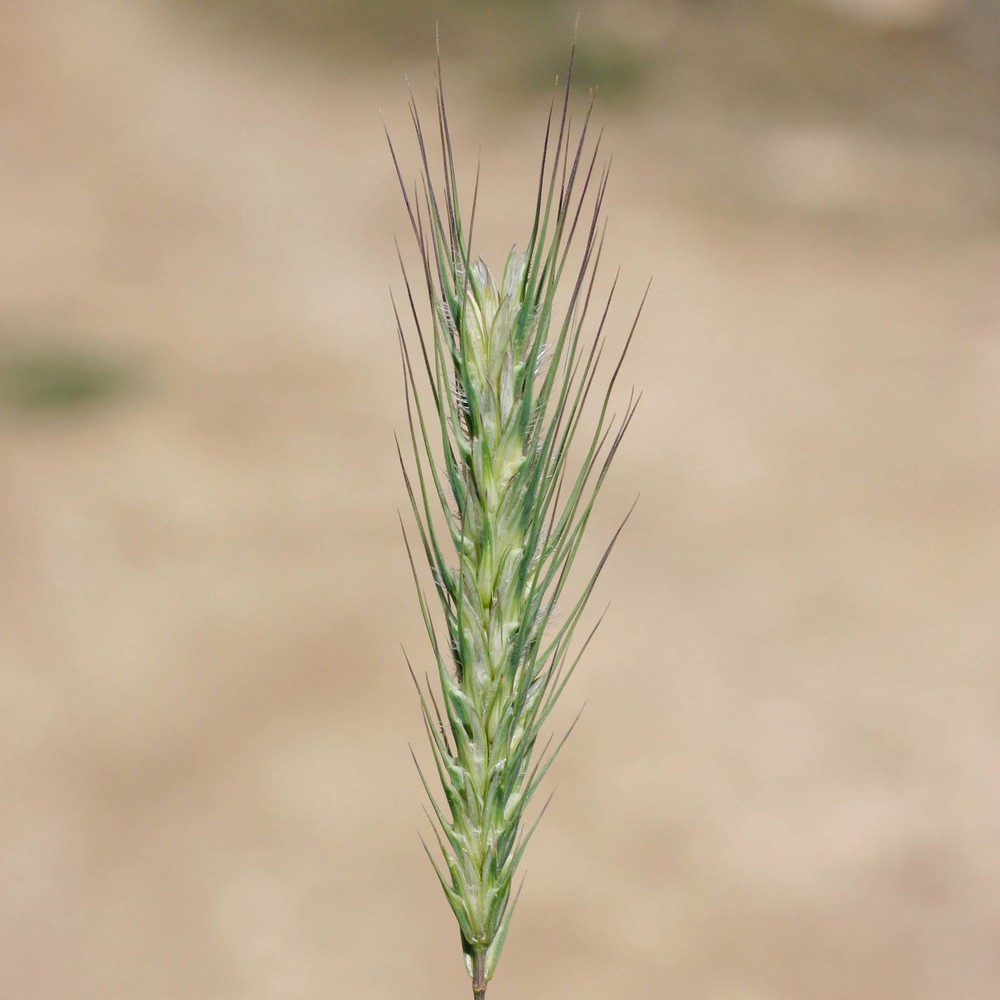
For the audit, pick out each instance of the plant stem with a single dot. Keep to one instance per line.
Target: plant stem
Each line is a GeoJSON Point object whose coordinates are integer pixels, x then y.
{"type": "Point", "coordinates": [478, 976]}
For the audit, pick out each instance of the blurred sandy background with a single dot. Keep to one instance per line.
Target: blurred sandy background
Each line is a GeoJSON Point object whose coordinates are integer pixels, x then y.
{"type": "Point", "coordinates": [785, 785]}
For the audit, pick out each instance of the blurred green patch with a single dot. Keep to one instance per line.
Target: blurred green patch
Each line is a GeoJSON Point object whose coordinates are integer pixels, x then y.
{"type": "Point", "coordinates": [521, 45]}
{"type": "Point", "coordinates": [617, 70]}
{"type": "Point", "coordinates": [56, 377]}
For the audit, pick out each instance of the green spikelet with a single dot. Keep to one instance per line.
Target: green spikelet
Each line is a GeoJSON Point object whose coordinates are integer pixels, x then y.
{"type": "Point", "coordinates": [500, 509]}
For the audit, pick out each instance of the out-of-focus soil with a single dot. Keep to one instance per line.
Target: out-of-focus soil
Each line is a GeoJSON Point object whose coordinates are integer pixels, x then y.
{"type": "Point", "coordinates": [785, 784]}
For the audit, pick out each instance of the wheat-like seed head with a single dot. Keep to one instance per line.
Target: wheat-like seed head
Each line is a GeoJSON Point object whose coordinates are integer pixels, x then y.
{"type": "Point", "coordinates": [499, 508]}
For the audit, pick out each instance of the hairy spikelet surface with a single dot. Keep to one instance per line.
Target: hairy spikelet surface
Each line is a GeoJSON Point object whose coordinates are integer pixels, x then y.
{"type": "Point", "coordinates": [496, 386]}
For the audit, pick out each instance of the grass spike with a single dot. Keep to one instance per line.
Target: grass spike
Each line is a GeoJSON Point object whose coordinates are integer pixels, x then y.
{"type": "Point", "coordinates": [509, 379]}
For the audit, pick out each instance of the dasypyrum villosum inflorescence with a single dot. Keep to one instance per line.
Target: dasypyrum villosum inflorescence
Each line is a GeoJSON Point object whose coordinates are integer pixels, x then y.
{"type": "Point", "coordinates": [496, 385]}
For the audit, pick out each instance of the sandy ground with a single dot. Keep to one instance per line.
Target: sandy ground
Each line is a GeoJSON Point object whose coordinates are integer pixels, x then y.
{"type": "Point", "coordinates": [785, 785]}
